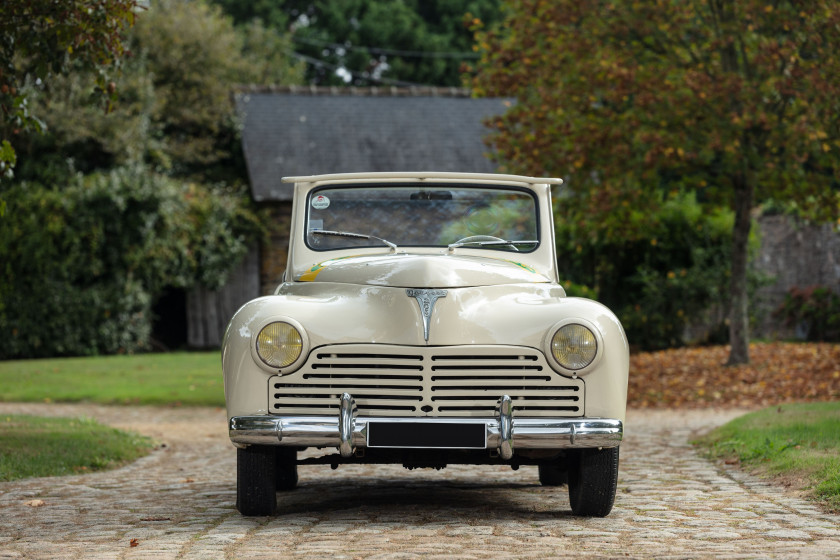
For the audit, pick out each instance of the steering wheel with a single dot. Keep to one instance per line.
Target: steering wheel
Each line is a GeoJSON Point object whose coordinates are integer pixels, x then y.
{"type": "Point", "coordinates": [485, 238]}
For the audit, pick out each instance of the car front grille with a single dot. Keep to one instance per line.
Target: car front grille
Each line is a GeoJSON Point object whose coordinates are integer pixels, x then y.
{"type": "Point", "coordinates": [426, 381]}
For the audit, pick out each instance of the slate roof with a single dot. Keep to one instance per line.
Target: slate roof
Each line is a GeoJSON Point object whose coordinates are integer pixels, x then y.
{"type": "Point", "coordinates": [308, 131]}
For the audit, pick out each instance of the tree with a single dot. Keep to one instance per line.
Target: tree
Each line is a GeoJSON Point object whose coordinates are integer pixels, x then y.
{"type": "Point", "coordinates": [43, 38]}
{"type": "Point", "coordinates": [196, 58]}
{"type": "Point", "coordinates": [174, 108]}
{"type": "Point", "coordinates": [374, 42]}
{"type": "Point", "coordinates": [636, 101]}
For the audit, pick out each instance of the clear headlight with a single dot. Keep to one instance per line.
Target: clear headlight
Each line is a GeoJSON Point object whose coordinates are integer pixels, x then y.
{"type": "Point", "coordinates": [279, 344]}
{"type": "Point", "coordinates": [574, 346]}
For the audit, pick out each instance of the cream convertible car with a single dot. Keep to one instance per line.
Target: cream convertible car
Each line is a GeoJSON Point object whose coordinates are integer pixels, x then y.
{"type": "Point", "coordinates": [421, 322]}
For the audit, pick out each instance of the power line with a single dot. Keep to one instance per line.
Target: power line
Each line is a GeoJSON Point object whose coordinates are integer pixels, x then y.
{"type": "Point", "coordinates": [329, 66]}
{"type": "Point", "coordinates": [392, 52]}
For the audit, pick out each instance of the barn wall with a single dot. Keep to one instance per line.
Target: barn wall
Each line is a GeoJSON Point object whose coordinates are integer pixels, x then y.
{"type": "Point", "coordinates": [275, 251]}
{"type": "Point", "coordinates": [209, 311]}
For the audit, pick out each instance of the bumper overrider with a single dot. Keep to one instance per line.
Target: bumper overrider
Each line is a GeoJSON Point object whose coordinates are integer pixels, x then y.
{"type": "Point", "coordinates": [348, 431]}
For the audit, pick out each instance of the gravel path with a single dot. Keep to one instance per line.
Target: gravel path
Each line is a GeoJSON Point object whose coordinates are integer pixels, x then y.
{"type": "Point", "coordinates": [178, 503]}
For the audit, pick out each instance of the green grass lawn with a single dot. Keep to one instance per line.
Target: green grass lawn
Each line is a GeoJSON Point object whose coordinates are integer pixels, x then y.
{"type": "Point", "coordinates": [33, 446]}
{"type": "Point", "coordinates": [185, 378]}
{"type": "Point", "coordinates": [798, 444]}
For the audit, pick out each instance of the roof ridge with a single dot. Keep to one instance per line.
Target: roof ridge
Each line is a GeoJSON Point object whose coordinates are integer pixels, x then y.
{"type": "Point", "coordinates": [373, 91]}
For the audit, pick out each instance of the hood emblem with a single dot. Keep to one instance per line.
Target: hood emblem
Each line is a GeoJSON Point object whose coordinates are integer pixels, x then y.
{"type": "Point", "coordinates": [426, 299]}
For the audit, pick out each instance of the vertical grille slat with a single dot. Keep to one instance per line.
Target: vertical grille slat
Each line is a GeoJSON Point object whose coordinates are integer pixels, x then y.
{"type": "Point", "coordinates": [435, 381]}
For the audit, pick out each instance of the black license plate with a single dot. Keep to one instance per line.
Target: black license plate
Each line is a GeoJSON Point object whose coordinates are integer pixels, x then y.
{"type": "Point", "coordinates": [432, 435]}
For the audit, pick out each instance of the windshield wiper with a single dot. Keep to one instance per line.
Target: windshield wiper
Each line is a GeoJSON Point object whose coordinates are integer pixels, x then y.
{"type": "Point", "coordinates": [491, 243]}
{"type": "Point", "coordinates": [353, 236]}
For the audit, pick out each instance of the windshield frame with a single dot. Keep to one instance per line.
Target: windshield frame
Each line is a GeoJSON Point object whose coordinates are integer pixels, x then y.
{"type": "Point", "coordinates": [421, 186]}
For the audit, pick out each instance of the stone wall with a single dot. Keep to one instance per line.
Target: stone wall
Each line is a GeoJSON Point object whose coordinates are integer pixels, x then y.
{"type": "Point", "coordinates": [274, 252]}
{"type": "Point", "coordinates": [792, 254]}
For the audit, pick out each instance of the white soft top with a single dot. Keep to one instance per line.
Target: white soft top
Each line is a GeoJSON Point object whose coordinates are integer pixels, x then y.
{"type": "Point", "coordinates": [420, 175]}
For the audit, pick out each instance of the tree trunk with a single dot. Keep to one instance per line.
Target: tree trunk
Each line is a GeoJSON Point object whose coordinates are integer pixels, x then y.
{"type": "Point", "coordinates": [739, 337]}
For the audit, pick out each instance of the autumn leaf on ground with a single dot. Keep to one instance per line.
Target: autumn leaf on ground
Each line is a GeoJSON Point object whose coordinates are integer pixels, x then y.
{"type": "Point", "coordinates": [133, 542]}
{"type": "Point", "coordinates": [779, 372]}
{"type": "Point", "coordinates": [35, 503]}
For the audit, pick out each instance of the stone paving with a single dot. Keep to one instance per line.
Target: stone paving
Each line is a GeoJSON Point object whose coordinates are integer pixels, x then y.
{"type": "Point", "coordinates": [178, 502]}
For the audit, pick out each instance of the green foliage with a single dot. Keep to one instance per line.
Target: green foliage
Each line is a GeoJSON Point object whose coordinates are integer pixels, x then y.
{"type": "Point", "coordinates": [633, 99]}
{"type": "Point", "coordinates": [579, 290]}
{"type": "Point", "coordinates": [8, 159]}
{"type": "Point", "coordinates": [659, 281]}
{"type": "Point", "coordinates": [175, 106]}
{"type": "Point", "coordinates": [194, 55]}
{"type": "Point", "coordinates": [34, 446]}
{"type": "Point", "coordinates": [80, 137]}
{"type": "Point", "coordinates": [81, 265]}
{"type": "Point", "coordinates": [816, 308]}
{"type": "Point", "coordinates": [795, 441]}
{"type": "Point", "coordinates": [374, 42]}
{"type": "Point", "coordinates": [182, 378]}
{"type": "Point", "coordinates": [40, 39]}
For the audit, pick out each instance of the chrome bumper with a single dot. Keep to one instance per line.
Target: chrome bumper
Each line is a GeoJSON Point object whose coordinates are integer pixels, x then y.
{"type": "Point", "coordinates": [347, 431]}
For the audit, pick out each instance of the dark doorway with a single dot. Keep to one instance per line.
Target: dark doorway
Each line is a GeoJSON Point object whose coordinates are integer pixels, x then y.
{"type": "Point", "coordinates": [169, 326]}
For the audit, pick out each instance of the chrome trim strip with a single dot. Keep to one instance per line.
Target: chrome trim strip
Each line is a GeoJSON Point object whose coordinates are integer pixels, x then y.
{"type": "Point", "coordinates": [525, 433]}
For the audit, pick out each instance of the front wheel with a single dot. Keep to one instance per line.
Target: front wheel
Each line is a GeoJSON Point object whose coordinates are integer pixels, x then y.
{"type": "Point", "coordinates": [593, 477]}
{"type": "Point", "coordinates": [256, 480]}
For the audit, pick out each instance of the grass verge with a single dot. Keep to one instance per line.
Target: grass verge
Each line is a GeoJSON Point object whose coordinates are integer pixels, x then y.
{"type": "Point", "coordinates": [34, 446]}
{"type": "Point", "coordinates": [796, 444]}
{"type": "Point", "coordinates": [180, 378]}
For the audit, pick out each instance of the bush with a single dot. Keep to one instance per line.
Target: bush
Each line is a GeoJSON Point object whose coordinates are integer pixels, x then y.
{"type": "Point", "coordinates": [81, 266]}
{"type": "Point", "coordinates": [815, 309]}
{"type": "Point", "coordinates": [660, 281]}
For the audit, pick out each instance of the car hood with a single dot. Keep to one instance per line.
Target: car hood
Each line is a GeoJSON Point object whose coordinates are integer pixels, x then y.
{"type": "Point", "coordinates": [404, 270]}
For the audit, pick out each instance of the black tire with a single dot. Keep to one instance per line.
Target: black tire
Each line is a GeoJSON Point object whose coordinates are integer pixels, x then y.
{"type": "Point", "coordinates": [256, 480]}
{"type": "Point", "coordinates": [553, 475]}
{"type": "Point", "coordinates": [593, 477]}
{"type": "Point", "coordinates": [286, 468]}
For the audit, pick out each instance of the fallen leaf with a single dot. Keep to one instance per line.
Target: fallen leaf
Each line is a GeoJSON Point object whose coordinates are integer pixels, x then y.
{"type": "Point", "coordinates": [133, 542]}
{"type": "Point", "coordinates": [35, 503]}
{"type": "Point", "coordinates": [779, 372]}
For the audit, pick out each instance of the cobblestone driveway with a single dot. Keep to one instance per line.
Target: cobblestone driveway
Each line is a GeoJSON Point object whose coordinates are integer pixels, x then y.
{"type": "Point", "coordinates": [178, 503]}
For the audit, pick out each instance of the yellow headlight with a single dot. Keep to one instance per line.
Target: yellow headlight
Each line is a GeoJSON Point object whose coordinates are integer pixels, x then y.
{"type": "Point", "coordinates": [279, 344]}
{"type": "Point", "coordinates": [574, 346]}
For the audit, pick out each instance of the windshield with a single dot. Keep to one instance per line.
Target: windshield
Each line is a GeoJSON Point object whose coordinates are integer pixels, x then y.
{"type": "Point", "coordinates": [455, 216]}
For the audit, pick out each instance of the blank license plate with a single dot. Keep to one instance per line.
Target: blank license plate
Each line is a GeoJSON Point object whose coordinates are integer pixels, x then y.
{"type": "Point", "coordinates": [437, 435]}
